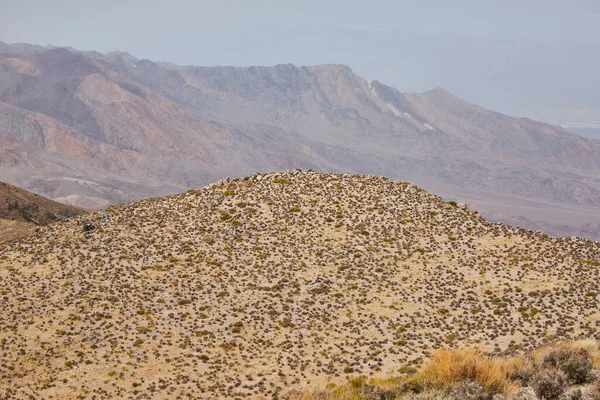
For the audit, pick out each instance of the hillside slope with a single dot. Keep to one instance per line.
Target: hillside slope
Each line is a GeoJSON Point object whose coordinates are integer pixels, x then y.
{"type": "Point", "coordinates": [21, 211]}
{"type": "Point", "coordinates": [260, 285]}
{"type": "Point", "coordinates": [99, 128]}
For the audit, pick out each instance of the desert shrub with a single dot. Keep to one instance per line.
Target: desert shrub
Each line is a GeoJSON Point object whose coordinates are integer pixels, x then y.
{"type": "Point", "coordinates": [523, 394]}
{"type": "Point", "coordinates": [593, 392]}
{"type": "Point", "coordinates": [372, 392]}
{"type": "Point", "coordinates": [524, 371]}
{"type": "Point", "coordinates": [428, 395]}
{"type": "Point", "coordinates": [576, 363]}
{"type": "Point", "coordinates": [573, 394]}
{"type": "Point", "coordinates": [549, 383]}
{"type": "Point", "coordinates": [468, 390]}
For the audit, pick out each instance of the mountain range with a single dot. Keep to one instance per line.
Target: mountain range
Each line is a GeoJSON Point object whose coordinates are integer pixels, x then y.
{"type": "Point", "coordinates": [93, 129]}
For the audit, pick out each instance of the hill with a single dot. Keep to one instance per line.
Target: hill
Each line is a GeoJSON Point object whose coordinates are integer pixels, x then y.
{"type": "Point", "coordinates": [21, 211]}
{"type": "Point", "coordinates": [95, 129]}
{"type": "Point", "coordinates": [270, 283]}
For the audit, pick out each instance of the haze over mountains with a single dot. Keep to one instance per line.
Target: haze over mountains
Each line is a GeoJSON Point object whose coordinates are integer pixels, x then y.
{"type": "Point", "coordinates": [92, 129]}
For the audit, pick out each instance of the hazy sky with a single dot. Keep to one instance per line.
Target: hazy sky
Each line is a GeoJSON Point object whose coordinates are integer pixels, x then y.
{"type": "Point", "coordinates": [201, 32]}
{"type": "Point", "coordinates": [536, 58]}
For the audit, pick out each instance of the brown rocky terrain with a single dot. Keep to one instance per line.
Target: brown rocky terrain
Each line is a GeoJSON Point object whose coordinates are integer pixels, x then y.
{"type": "Point", "coordinates": [22, 211]}
{"type": "Point", "coordinates": [257, 286]}
{"type": "Point", "coordinates": [94, 129]}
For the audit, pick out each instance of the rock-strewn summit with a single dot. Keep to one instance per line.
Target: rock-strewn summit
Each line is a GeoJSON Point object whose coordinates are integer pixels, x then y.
{"type": "Point", "coordinates": [260, 285]}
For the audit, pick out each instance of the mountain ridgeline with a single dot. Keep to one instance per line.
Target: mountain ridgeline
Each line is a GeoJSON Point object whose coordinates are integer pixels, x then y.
{"type": "Point", "coordinates": [93, 129]}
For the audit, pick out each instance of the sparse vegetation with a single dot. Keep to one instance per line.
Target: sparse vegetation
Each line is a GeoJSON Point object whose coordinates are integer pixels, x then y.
{"type": "Point", "coordinates": [298, 280]}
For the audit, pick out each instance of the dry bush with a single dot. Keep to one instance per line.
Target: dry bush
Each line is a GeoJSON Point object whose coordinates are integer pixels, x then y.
{"type": "Point", "coordinates": [469, 390]}
{"type": "Point", "coordinates": [357, 388]}
{"type": "Point", "coordinates": [593, 392]}
{"type": "Point", "coordinates": [525, 371]}
{"type": "Point", "coordinates": [549, 383]}
{"type": "Point", "coordinates": [576, 363]}
{"type": "Point", "coordinates": [590, 345]}
{"type": "Point", "coordinates": [428, 395]}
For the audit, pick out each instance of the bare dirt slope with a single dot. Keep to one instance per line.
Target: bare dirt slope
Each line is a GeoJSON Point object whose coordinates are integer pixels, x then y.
{"type": "Point", "coordinates": [10, 229]}
{"type": "Point", "coordinates": [256, 286]}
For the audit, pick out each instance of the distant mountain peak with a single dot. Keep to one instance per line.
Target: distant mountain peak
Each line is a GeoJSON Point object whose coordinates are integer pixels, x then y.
{"type": "Point", "coordinates": [65, 62]}
{"type": "Point", "coordinates": [121, 56]}
{"type": "Point", "coordinates": [442, 93]}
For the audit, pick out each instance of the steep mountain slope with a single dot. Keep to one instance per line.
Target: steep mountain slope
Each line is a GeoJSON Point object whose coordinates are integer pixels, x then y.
{"type": "Point", "coordinates": [92, 129]}
{"type": "Point", "coordinates": [21, 211]}
{"type": "Point", "coordinates": [260, 285]}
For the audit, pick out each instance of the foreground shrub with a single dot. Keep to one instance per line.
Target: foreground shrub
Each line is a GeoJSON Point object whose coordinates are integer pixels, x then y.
{"type": "Point", "coordinates": [525, 371]}
{"type": "Point", "coordinates": [469, 390]}
{"type": "Point", "coordinates": [593, 392]}
{"type": "Point", "coordinates": [523, 394]}
{"type": "Point", "coordinates": [549, 383]}
{"type": "Point", "coordinates": [573, 394]}
{"type": "Point", "coordinates": [576, 363]}
{"type": "Point", "coordinates": [372, 392]}
{"type": "Point", "coordinates": [428, 395]}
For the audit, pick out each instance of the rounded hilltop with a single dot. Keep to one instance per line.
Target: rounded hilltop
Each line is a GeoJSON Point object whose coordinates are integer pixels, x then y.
{"type": "Point", "coordinates": [255, 286]}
